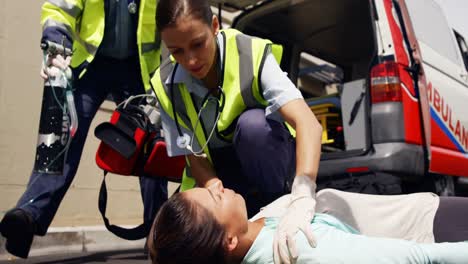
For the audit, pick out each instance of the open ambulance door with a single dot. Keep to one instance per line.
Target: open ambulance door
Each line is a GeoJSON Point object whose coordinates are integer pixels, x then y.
{"type": "Point", "coordinates": [328, 47]}
{"type": "Point", "coordinates": [417, 72]}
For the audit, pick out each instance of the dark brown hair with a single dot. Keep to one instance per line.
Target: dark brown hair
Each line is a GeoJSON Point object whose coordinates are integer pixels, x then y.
{"type": "Point", "coordinates": [186, 232]}
{"type": "Point", "coordinates": [168, 11]}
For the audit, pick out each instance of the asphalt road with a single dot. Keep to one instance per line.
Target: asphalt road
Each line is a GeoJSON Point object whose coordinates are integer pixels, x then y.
{"type": "Point", "coordinates": [114, 257]}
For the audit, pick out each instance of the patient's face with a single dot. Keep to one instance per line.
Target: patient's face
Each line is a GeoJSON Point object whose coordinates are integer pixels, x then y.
{"type": "Point", "coordinates": [226, 205]}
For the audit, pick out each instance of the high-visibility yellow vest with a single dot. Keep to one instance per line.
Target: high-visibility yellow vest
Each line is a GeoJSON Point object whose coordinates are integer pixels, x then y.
{"type": "Point", "coordinates": [244, 57]}
{"type": "Point", "coordinates": [83, 20]}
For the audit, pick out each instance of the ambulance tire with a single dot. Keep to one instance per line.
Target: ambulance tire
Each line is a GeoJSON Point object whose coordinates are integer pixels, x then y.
{"type": "Point", "coordinates": [367, 183]}
{"type": "Point", "coordinates": [461, 186]}
{"type": "Point", "coordinates": [444, 185]}
{"type": "Point", "coordinates": [441, 185]}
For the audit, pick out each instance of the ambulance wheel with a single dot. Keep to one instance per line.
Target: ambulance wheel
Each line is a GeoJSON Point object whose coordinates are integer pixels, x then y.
{"type": "Point", "coordinates": [461, 186]}
{"type": "Point", "coordinates": [444, 185]}
{"type": "Point", "coordinates": [441, 185]}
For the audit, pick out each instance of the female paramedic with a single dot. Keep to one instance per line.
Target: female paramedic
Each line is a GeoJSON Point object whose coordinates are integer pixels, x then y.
{"type": "Point", "coordinates": [227, 105]}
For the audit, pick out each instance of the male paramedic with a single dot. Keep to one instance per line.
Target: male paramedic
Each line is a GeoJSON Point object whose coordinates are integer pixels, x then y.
{"type": "Point", "coordinates": [116, 48]}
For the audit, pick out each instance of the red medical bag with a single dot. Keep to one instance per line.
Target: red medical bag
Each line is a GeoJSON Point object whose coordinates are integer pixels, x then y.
{"type": "Point", "coordinates": [132, 145]}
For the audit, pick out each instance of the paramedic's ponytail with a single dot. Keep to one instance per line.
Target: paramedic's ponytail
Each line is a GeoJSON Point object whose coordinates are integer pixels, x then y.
{"type": "Point", "coordinates": [186, 232]}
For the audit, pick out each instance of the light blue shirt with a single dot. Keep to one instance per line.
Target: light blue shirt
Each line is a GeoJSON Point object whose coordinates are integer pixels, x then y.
{"type": "Point", "coordinates": [277, 91]}
{"type": "Point", "coordinates": [339, 243]}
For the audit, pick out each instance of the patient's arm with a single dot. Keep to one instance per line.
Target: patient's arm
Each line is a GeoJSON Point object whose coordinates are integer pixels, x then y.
{"type": "Point", "coordinates": [335, 246]}
{"type": "Point", "coordinates": [202, 171]}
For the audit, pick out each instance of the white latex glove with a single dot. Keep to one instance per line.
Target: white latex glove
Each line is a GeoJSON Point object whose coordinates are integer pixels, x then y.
{"type": "Point", "coordinates": [54, 65]}
{"type": "Point", "coordinates": [298, 217]}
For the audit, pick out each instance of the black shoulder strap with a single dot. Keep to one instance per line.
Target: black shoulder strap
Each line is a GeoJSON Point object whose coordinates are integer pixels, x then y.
{"type": "Point", "coordinates": [135, 233]}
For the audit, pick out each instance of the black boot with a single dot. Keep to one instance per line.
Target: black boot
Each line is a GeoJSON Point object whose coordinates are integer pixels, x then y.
{"type": "Point", "coordinates": [18, 228]}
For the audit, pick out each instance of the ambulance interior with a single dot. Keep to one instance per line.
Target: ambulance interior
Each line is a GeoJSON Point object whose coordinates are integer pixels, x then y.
{"type": "Point", "coordinates": [328, 49]}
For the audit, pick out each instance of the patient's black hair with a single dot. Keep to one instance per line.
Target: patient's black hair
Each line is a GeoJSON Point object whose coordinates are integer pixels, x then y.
{"type": "Point", "coordinates": [186, 232]}
{"type": "Point", "coordinates": [168, 11]}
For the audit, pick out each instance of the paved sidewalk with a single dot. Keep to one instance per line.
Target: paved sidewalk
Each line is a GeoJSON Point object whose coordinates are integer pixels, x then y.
{"type": "Point", "coordinates": [76, 240]}
{"type": "Point", "coordinates": [114, 257]}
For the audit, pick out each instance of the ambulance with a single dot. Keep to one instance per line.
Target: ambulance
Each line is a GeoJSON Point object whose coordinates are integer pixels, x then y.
{"type": "Point", "coordinates": [387, 79]}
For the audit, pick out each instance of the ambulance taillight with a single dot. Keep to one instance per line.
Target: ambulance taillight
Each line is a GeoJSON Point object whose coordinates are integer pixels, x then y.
{"type": "Point", "coordinates": [385, 83]}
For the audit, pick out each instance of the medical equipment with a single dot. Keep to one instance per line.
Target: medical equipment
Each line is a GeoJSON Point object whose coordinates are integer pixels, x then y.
{"type": "Point", "coordinates": [132, 145]}
{"type": "Point", "coordinates": [184, 140]}
{"type": "Point", "coordinates": [59, 120]}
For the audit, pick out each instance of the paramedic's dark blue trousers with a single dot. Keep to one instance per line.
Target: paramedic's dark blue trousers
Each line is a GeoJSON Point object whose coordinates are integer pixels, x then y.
{"type": "Point", "coordinates": [261, 164]}
{"type": "Point", "coordinates": [104, 77]}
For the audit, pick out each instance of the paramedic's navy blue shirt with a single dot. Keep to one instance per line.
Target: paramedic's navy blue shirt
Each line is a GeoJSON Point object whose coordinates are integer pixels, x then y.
{"type": "Point", "coordinates": [120, 30]}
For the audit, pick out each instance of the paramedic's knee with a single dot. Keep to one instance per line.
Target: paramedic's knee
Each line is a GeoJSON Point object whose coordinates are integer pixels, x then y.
{"type": "Point", "coordinates": [255, 130]}
{"type": "Point", "coordinates": [251, 126]}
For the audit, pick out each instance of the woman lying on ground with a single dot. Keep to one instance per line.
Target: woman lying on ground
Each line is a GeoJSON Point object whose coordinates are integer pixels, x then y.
{"type": "Point", "coordinates": [210, 225]}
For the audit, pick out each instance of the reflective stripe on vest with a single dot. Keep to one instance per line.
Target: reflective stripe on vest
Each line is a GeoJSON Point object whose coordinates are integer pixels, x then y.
{"type": "Point", "coordinates": [65, 14]}
{"type": "Point", "coordinates": [88, 47]}
{"type": "Point", "coordinates": [67, 7]}
{"type": "Point", "coordinates": [163, 94]}
{"type": "Point", "coordinates": [148, 40]}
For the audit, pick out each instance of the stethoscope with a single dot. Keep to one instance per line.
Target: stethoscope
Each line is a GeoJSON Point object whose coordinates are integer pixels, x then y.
{"type": "Point", "coordinates": [185, 141]}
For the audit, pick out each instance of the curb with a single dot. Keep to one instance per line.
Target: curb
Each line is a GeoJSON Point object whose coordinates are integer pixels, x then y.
{"type": "Point", "coordinates": [60, 240]}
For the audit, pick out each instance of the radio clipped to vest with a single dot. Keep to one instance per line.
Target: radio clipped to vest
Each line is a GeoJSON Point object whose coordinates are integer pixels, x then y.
{"type": "Point", "coordinates": [132, 145]}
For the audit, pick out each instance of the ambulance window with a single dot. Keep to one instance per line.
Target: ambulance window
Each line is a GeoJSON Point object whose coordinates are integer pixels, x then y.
{"type": "Point", "coordinates": [432, 28]}
{"type": "Point", "coordinates": [463, 48]}
{"type": "Point", "coordinates": [317, 77]}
